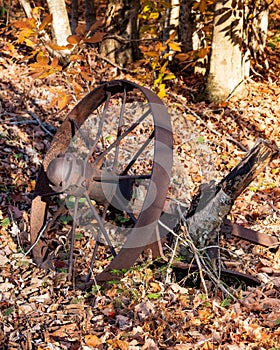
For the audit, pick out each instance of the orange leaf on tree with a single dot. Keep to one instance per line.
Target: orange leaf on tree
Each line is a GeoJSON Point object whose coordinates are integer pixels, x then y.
{"type": "Point", "coordinates": [74, 39]}
{"type": "Point", "coordinates": [96, 38]}
{"type": "Point", "coordinates": [47, 20]}
{"type": "Point", "coordinates": [97, 24]}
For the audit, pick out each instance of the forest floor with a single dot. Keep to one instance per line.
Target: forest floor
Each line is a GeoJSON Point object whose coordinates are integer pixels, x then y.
{"type": "Point", "coordinates": [42, 310]}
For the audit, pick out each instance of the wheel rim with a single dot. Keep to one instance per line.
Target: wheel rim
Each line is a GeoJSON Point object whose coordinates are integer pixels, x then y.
{"type": "Point", "coordinates": [143, 231]}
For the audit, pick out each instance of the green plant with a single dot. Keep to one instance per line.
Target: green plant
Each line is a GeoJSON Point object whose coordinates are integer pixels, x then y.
{"type": "Point", "coordinates": [65, 219]}
{"type": "Point", "coordinates": [5, 222]}
{"type": "Point", "coordinates": [154, 296]}
{"type": "Point", "coordinates": [158, 58]}
{"type": "Point", "coordinates": [8, 312]}
{"type": "Point", "coordinates": [226, 302]}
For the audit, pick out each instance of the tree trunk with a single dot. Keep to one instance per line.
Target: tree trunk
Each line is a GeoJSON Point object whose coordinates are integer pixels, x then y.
{"type": "Point", "coordinates": [257, 26]}
{"type": "Point", "coordinates": [60, 24]}
{"type": "Point", "coordinates": [214, 202]}
{"type": "Point", "coordinates": [121, 45]}
{"type": "Point", "coordinates": [74, 15]}
{"type": "Point", "coordinates": [172, 20]}
{"type": "Point", "coordinates": [27, 8]}
{"type": "Point", "coordinates": [90, 13]}
{"type": "Point", "coordinates": [186, 26]}
{"type": "Point", "coordinates": [226, 74]}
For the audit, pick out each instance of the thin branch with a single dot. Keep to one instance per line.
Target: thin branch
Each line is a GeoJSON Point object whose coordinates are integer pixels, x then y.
{"type": "Point", "coordinates": [39, 237]}
{"type": "Point", "coordinates": [41, 124]}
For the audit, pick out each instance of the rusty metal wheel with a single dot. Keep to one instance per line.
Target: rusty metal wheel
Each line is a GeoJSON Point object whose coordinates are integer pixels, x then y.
{"type": "Point", "coordinates": [110, 162]}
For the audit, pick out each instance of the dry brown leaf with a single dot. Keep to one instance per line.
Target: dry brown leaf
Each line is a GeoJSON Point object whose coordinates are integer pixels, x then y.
{"type": "Point", "coordinates": [92, 340]}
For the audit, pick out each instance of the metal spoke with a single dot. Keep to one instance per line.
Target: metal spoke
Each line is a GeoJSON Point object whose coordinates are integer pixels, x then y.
{"type": "Point", "coordinates": [72, 239]}
{"type": "Point", "coordinates": [83, 135]}
{"type": "Point", "coordinates": [121, 137]}
{"type": "Point", "coordinates": [97, 244]}
{"type": "Point", "coordinates": [116, 179]}
{"type": "Point", "coordinates": [119, 130]}
{"type": "Point", "coordinates": [100, 126]}
{"type": "Point", "coordinates": [100, 224]}
{"type": "Point", "coordinates": [137, 154]}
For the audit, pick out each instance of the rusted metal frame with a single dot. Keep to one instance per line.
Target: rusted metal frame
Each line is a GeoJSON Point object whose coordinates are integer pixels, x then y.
{"type": "Point", "coordinates": [119, 130]}
{"type": "Point", "coordinates": [72, 238]}
{"type": "Point", "coordinates": [248, 279]}
{"type": "Point", "coordinates": [248, 234]}
{"type": "Point", "coordinates": [148, 218]}
{"type": "Point", "coordinates": [60, 143]}
{"type": "Point", "coordinates": [137, 154]}
{"type": "Point", "coordinates": [144, 231]}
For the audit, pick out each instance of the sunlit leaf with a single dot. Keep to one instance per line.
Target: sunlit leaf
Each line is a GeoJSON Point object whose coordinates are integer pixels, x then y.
{"type": "Point", "coordinates": [174, 46]}
{"type": "Point", "coordinates": [29, 42]}
{"type": "Point", "coordinates": [151, 54]}
{"type": "Point", "coordinates": [24, 34]}
{"type": "Point", "coordinates": [163, 67]}
{"type": "Point", "coordinates": [58, 47]}
{"type": "Point", "coordinates": [74, 39]}
{"type": "Point", "coordinates": [47, 20]}
{"type": "Point", "coordinates": [92, 340]}
{"type": "Point", "coordinates": [118, 344]}
{"type": "Point", "coordinates": [154, 15]}
{"type": "Point", "coordinates": [42, 58]}
{"type": "Point", "coordinates": [147, 8]}
{"type": "Point", "coordinates": [158, 80]}
{"type": "Point", "coordinates": [169, 76]}
{"type": "Point", "coordinates": [161, 92]}
{"type": "Point", "coordinates": [37, 10]}
{"type": "Point", "coordinates": [154, 296]}
{"type": "Point", "coordinates": [63, 101]}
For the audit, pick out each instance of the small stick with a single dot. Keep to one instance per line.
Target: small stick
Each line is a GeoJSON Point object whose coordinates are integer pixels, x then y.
{"type": "Point", "coordinates": [33, 115]}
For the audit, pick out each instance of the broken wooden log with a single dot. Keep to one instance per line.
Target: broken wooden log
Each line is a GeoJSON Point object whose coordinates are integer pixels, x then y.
{"type": "Point", "coordinates": [214, 201]}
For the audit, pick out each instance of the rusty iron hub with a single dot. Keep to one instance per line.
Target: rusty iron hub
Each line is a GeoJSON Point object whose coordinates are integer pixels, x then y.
{"type": "Point", "coordinates": [106, 178]}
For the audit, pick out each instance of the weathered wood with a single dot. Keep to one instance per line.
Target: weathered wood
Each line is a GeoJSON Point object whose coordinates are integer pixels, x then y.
{"type": "Point", "coordinates": [250, 166]}
{"type": "Point", "coordinates": [214, 201]}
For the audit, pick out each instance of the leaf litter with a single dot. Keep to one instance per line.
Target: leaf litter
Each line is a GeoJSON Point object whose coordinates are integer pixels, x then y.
{"type": "Point", "coordinates": [41, 309]}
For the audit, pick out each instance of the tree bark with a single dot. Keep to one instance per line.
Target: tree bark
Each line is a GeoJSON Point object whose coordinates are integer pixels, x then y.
{"type": "Point", "coordinates": [27, 8]}
{"type": "Point", "coordinates": [90, 13]}
{"type": "Point", "coordinates": [74, 15]}
{"type": "Point", "coordinates": [226, 74]}
{"type": "Point", "coordinates": [60, 24]}
{"type": "Point", "coordinates": [120, 46]}
{"type": "Point", "coordinates": [186, 26]}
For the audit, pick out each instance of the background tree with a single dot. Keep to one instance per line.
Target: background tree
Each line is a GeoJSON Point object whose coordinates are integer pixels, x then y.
{"type": "Point", "coordinates": [60, 21]}
{"type": "Point", "coordinates": [229, 58]}
{"type": "Point", "coordinates": [120, 44]}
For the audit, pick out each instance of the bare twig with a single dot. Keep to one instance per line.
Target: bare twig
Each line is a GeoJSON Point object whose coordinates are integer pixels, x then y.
{"type": "Point", "coordinates": [41, 124]}
{"type": "Point", "coordinates": [39, 237]}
